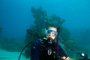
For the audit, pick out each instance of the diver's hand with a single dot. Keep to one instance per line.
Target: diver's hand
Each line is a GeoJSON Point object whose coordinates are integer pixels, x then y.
{"type": "Point", "coordinates": [63, 58]}
{"type": "Point", "coordinates": [68, 58]}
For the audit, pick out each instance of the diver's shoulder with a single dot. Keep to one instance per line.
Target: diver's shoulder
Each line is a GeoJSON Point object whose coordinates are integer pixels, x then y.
{"type": "Point", "coordinates": [36, 42]}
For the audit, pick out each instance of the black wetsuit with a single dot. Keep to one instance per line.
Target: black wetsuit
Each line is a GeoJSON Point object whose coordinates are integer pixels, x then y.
{"type": "Point", "coordinates": [39, 51]}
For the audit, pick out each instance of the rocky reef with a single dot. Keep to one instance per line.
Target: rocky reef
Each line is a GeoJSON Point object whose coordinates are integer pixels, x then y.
{"type": "Point", "coordinates": [10, 44]}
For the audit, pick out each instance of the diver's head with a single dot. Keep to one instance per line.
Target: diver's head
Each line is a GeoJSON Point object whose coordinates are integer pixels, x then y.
{"type": "Point", "coordinates": [51, 32]}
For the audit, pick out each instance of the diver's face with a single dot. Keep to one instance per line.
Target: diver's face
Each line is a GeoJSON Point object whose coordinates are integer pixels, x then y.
{"type": "Point", "coordinates": [51, 36]}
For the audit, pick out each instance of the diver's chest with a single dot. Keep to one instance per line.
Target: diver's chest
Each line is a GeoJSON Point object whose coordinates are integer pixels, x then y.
{"type": "Point", "coordinates": [46, 50]}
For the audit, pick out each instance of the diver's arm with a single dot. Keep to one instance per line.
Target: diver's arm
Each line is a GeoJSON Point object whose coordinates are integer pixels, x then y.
{"type": "Point", "coordinates": [35, 50]}
{"type": "Point", "coordinates": [62, 53]}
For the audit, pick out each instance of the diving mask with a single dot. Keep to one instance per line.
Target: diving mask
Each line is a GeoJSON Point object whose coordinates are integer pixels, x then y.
{"type": "Point", "coordinates": [51, 32]}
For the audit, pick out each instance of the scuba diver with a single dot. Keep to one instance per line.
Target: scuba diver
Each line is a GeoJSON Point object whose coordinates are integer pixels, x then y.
{"type": "Point", "coordinates": [48, 48]}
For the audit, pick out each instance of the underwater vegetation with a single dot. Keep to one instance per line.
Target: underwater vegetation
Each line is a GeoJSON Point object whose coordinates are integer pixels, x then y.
{"type": "Point", "coordinates": [42, 21]}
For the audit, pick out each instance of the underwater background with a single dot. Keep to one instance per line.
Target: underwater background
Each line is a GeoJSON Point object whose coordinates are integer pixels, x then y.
{"type": "Point", "coordinates": [16, 16]}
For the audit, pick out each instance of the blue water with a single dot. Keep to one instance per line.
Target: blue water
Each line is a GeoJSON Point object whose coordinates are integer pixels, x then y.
{"type": "Point", "coordinates": [16, 17]}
